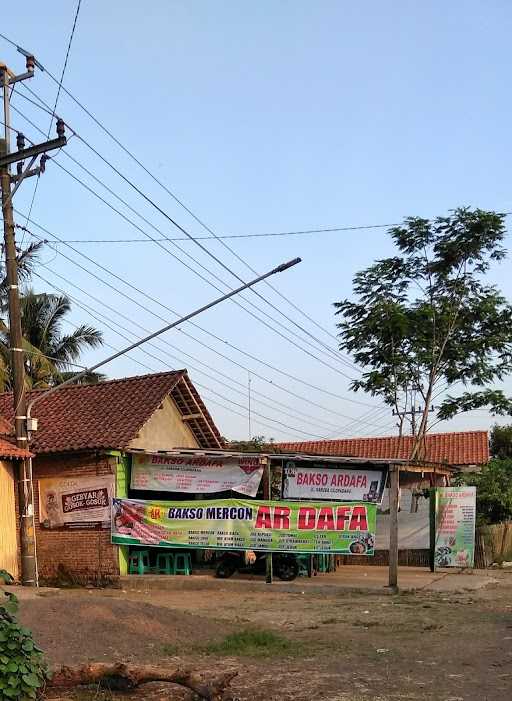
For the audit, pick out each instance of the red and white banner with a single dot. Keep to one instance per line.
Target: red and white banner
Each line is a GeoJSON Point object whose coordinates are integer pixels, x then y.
{"type": "Point", "coordinates": [306, 480]}
{"type": "Point", "coordinates": [200, 474]}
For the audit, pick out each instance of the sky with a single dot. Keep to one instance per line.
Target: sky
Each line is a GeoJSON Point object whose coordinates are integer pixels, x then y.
{"type": "Point", "coordinates": [266, 117]}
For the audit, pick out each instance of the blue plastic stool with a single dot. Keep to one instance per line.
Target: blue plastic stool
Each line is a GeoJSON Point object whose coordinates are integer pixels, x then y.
{"type": "Point", "coordinates": [182, 563]}
{"type": "Point", "coordinates": [165, 563]}
{"type": "Point", "coordinates": [139, 562]}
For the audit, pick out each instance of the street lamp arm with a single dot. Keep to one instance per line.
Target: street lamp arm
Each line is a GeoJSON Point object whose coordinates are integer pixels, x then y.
{"type": "Point", "coordinates": [280, 268]}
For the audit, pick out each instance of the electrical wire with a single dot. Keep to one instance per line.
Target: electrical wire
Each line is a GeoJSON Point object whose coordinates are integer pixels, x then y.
{"type": "Point", "coordinates": [338, 355]}
{"type": "Point", "coordinates": [112, 274]}
{"type": "Point", "coordinates": [169, 192]}
{"type": "Point", "coordinates": [102, 316]}
{"type": "Point", "coordinates": [235, 236]}
{"type": "Point", "coordinates": [312, 420]}
{"type": "Point", "coordinates": [57, 97]}
{"type": "Point", "coordinates": [131, 338]}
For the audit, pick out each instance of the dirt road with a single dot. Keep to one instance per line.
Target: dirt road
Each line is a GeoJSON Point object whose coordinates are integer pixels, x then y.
{"type": "Point", "coordinates": [448, 647]}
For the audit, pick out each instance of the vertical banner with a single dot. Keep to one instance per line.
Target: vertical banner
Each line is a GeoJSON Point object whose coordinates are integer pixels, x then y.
{"type": "Point", "coordinates": [455, 516]}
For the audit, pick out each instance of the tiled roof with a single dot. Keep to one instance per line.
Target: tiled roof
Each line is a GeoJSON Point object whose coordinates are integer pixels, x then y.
{"type": "Point", "coordinates": [109, 415]}
{"type": "Point", "coordinates": [10, 450]}
{"type": "Point", "coordinates": [463, 448]}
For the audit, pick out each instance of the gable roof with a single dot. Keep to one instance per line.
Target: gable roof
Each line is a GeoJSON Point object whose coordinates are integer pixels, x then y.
{"type": "Point", "coordinates": [462, 448]}
{"type": "Point", "coordinates": [109, 415]}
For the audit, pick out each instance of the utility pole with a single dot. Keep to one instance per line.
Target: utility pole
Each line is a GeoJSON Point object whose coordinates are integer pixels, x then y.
{"type": "Point", "coordinates": [249, 403]}
{"type": "Point", "coordinates": [24, 477]}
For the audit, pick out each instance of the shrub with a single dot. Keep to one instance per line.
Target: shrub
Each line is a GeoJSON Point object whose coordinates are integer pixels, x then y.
{"type": "Point", "coordinates": [23, 672]}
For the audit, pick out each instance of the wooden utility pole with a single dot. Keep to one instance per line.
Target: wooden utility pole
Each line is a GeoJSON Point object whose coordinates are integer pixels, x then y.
{"type": "Point", "coordinates": [24, 478]}
{"type": "Point", "coordinates": [394, 486]}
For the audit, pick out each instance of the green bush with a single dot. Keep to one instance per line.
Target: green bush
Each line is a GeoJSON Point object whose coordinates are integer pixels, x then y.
{"type": "Point", "coordinates": [23, 672]}
{"type": "Point", "coordinates": [493, 491]}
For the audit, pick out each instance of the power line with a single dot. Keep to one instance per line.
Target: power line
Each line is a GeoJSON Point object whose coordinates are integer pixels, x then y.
{"type": "Point", "coordinates": [338, 355]}
{"type": "Point", "coordinates": [130, 338]}
{"type": "Point", "coordinates": [313, 420]}
{"type": "Point", "coordinates": [102, 316]}
{"type": "Point", "coordinates": [113, 274]}
{"type": "Point", "coordinates": [165, 188]}
{"type": "Point", "coordinates": [57, 98]}
{"type": "Point", "coordinates": [235, 236]}
{"type": "Point", "coordinates": [331, 353]}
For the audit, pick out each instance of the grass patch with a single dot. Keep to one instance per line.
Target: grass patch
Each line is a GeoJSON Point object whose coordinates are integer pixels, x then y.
{"type": "Point", "coordinates": [253, 643]}
{"type": "Point", "coordinates": [170, 649]}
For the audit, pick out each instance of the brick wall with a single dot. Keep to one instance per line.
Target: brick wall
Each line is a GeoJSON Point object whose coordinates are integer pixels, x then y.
{"type": "Point", "coordinates": [87, 555]}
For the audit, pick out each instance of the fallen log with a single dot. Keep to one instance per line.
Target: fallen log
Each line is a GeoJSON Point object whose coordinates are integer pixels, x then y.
{"type": "Point", "coordinates": [123, 677]}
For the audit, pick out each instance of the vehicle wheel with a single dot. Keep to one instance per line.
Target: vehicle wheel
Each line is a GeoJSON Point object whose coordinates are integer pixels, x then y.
{"type": "Point", "coordinates": [288, 569]}
{"type": "Point", "coordinates": [225, 569]}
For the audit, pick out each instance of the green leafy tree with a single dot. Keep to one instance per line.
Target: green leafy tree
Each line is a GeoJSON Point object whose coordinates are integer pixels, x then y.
{"type": "Point", "coordinates": [23, 671]}
{"type": "Point", "coordinates": [42, 316]}
{"type": "Point", "coordinates": [426, 321]}
{"type": "Point", "coordinates": [493, 491]}
{"type": "Point", "coordinates": [501, 441]}
{"type": "Point", "coordinates": [257, 444]}
{"type": "Point", "coordinates": [49, 353]}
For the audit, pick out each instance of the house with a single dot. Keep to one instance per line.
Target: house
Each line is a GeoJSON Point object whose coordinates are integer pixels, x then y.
{"type": "Point", "coordinates": [82, 459]}
{"type": "Point", "coordinates": [465, 450]}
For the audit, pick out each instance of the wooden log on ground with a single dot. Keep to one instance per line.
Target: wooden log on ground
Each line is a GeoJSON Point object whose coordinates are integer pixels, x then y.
{"type": "Point", "coordinates": [123, 677]}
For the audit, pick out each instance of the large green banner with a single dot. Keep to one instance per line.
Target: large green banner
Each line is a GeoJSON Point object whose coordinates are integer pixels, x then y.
{"type": "Point", "coordinates": [247, 524]}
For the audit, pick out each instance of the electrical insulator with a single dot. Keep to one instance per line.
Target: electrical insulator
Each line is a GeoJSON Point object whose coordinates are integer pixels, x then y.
{"type": "Point", "coordinates": [30, 64]}
{"type": "Point", "coordinates": [20, 141]}
{"type": "Point", "coordinates": [60, 127]}
{"type": "Point", "coordinates": [42, 162]}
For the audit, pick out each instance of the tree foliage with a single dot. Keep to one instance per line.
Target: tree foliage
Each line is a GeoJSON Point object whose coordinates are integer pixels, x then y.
{"type": "Point", "coordinates": [501, 441]}
{"type": "Point", "coordinates": [50, 354]}
{"type": "Point", "coordinates": [257, 444]}
{"type": "Point", "coordinates": [427, 320]}
{"type": "Point", "coordinates": [493, 491]}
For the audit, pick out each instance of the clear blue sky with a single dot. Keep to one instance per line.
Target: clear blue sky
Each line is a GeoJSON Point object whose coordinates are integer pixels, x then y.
{"type": "Point", "coordinates": [267, 117]}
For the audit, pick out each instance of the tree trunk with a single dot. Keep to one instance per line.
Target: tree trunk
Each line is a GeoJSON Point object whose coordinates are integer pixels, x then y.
{"type": "Point", "coordinates": [122, 677]}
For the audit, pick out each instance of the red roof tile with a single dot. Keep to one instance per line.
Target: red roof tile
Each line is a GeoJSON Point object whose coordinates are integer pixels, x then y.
{"type": "Point", "coordinates": [108, 415]}
{"type": "Point", "coordinates": [463, 448]}
{"type": "Point", "coordinates": [10, 450]}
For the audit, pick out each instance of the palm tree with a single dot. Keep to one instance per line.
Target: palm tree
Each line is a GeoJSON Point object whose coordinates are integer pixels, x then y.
{"type": "Point", "coordinates": [50, 354]}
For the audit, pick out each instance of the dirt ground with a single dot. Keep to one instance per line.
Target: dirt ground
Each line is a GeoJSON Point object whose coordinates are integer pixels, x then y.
{"type": "Point", "coordinates": [348, 647]}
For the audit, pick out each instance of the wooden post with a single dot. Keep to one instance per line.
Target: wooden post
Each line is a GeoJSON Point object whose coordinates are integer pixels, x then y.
{"type": "Point", "coordinates": [267, 494]}
{"type": "Point", "coordinates": [394, 486]}
{"type": "Point", "coordinates": [432, 528]}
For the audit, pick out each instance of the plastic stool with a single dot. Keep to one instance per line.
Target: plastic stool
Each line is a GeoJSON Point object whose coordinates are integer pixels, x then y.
{"type": "Point", "coordinates": [182, 563]}
{"type": "Point", "coordinates": [165, 563]}
{"type": "Point", "coordinates": [139, 562]}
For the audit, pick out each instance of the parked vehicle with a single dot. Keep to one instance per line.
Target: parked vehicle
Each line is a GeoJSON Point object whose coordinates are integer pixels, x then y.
{"type": "Point", "coordinates": [285, 566]}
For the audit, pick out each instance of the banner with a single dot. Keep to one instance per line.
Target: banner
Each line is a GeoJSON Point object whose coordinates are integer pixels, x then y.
{"type": "Point", "coordinates": [455, 514]}
{"type": "Point", "coordinates": [75, 502]}
{"type": "Point", "coordinates": [306, 480]}
{"type": "Point", "coordinates": [236, 524]}
{"type": "Point", "coordinates": [196, 474]}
